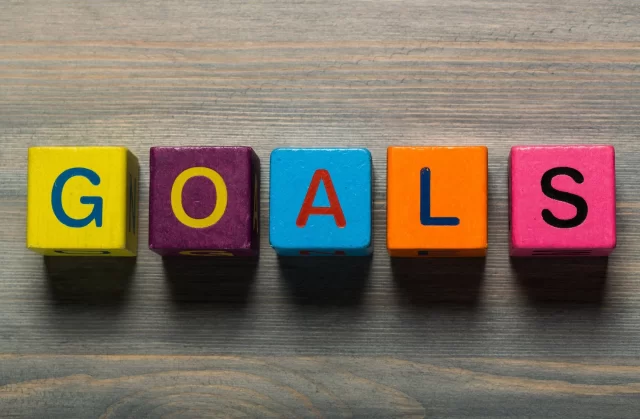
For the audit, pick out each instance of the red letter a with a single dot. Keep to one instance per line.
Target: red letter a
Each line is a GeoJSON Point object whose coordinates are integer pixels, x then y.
{"type": "Point", "coordinates": [334, 207]}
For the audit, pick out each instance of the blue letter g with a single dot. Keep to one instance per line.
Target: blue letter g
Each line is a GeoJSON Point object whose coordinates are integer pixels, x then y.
{"type": "Point", "coordinates": [96, 201]}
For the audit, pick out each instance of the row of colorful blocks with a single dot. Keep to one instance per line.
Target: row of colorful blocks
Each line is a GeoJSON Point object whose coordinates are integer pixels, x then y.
{"type": "Point", "coordinates": [204, 201]}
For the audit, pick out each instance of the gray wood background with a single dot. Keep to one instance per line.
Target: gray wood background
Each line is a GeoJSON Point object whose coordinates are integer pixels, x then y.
{"type": "Point", "coordinates": [310, 338]}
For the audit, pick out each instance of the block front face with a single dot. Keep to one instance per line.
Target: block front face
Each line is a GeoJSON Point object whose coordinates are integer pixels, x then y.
{"type": "Point", "coordinates": [82, 201]}
{"type": "Point", "coordinates": [320, 202]}
{"type": "Point", "coordinates": [562, 200]}
{"type": "Point", "coordinates": [437, 201]}
{"type": "Point", "coordinates": [204, 201]}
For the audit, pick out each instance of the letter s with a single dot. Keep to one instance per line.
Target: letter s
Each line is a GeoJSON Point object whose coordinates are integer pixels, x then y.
{"type": "Point", "coordinates": [575, 200]}
{"type": "Point", "coordinates": [96, 201]}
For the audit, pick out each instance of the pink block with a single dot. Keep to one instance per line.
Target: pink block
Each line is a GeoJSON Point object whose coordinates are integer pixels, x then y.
{"type": "Point", "coordinates": [563, 200]}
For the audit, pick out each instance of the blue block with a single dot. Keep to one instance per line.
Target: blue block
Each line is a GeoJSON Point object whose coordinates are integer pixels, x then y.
{"type": "Point", "coordinates": [306, 217]}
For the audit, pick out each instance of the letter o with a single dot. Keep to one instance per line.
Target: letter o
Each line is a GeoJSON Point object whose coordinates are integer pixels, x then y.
{"type": "Point", "coordinates": [206, 253]}
{"type": "Point", "coordinates": [221, 195]}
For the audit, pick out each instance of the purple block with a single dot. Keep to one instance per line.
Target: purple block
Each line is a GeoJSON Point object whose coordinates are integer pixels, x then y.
{"type": "Point", "coordinates": [204, 201]}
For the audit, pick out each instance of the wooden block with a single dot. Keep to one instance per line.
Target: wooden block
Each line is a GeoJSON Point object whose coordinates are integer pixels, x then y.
{"type": "Point", "coordinates": [563, 200]}
{"type": "Point", "coordinates": [204, 201]}
{"type": "Point", "coordinates": [320, 202]}
{"type": "Point", "coordinates": [82, 201]}
{"type": "Point", "coordinates": [437, 201]}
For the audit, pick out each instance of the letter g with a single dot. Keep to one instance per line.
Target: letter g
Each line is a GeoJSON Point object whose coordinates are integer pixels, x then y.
{"type": "Point", "coordinates": [96, 201]}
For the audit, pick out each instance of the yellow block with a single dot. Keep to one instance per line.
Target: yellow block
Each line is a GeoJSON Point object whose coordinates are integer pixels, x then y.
{"type": "Point", "coordinates": [82, 201]}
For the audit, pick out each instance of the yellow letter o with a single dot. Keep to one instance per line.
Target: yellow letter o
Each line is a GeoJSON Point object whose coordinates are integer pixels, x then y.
{"type": "Point", "coordinates": [206, 253]}
{"type": "Point", "coordinates": [221, 201]}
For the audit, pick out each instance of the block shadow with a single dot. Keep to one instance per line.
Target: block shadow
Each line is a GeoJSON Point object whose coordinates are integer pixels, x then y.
{"type": "Point", "coordinates": [427, 282]}
{"type": "Point", "coordinates": [337, 281]}
{"type": "Point", "coordinates": [216, 280]}
{"type": "Point", "coordinates": [97, 281]}
{"type": "Point", "coordinates": [562, 280]}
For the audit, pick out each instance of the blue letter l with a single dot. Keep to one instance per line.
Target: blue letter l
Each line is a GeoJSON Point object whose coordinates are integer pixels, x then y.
{"type": "Point", "coordinates": [425, 203]}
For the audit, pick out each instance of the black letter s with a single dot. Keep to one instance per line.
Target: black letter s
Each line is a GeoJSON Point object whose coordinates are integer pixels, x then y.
{"type": "Point", "coordinates": [575, 200]}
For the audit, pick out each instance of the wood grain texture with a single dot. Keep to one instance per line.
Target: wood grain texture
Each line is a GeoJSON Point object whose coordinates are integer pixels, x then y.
{"type": "Point", "coordinates": [145, 386]}
{"type": "Point", "coordinates": [307, 338]}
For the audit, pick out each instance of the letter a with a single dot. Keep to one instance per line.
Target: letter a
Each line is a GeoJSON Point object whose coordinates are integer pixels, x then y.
{"type": "Point", "coordinates": [334, 207]}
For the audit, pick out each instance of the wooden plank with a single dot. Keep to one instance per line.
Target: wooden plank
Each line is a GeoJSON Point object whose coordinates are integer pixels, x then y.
{"type": "Point", "coordinates": [332, 73]}
{"type": "Point", "coordinates": [385, 387]}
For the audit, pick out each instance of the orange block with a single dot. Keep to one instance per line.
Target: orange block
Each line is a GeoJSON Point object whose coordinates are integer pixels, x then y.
{"type": "Point", "coordinates": [437, 201]}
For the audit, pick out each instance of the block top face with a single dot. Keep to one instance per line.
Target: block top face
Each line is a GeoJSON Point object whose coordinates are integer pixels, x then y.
{"type": "Point", "coordinates": [292, 173]}
{"type": "Point", "coordinates": [456, 178]}
{"type": "Point", "coordinates": [211, 191]}
{"type": "Point", "coordinates": [67, 185]}
{"type": "Point", "coordinates": [572, 174]}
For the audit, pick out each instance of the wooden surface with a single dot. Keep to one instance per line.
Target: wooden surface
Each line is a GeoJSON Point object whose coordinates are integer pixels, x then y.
{"type": "Point", "coordinates": [312, 338]}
